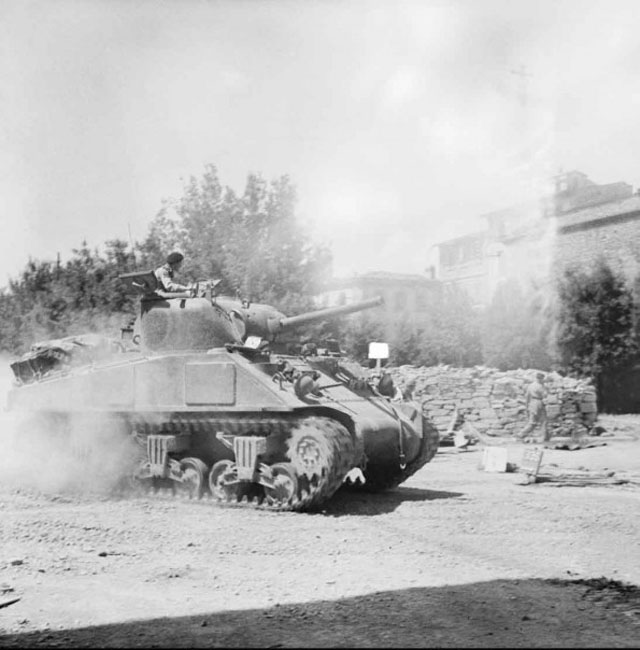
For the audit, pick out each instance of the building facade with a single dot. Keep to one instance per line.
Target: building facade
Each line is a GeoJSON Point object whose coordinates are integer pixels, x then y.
{"type": "Point", "coordinates": [575, 224]}
{"type": "Point", "coordinates": [407, 297]}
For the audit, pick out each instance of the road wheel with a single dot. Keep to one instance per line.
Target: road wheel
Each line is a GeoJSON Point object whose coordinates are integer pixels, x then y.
{"type": "Point", "coordinates": [223, 481]}
{"type": "Point", "coordinates": [285, 485]}
{"type": "Point", "coordinates": [194, 478]}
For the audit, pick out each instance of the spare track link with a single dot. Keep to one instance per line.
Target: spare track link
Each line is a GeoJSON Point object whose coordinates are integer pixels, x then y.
{"type": "Point", "coordinates": [339, 447]}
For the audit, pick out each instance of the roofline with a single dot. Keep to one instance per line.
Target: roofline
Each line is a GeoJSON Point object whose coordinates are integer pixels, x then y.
{"type": "Point", "coordinates": [481, 234]}
{"type": "Point", "coordinates": [599, 221]}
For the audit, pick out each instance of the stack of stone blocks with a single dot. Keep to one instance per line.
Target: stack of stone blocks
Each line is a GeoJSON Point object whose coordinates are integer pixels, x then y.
{"type": "Point", "coordinates": [494, 401]}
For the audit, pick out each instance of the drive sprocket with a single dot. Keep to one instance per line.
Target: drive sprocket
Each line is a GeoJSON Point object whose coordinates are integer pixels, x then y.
{"type": "Point", "coordinates": [321, 450]}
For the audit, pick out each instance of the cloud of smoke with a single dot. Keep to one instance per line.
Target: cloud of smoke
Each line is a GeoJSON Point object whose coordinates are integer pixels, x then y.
{"type": "Point", "coordinates": [55, 453]}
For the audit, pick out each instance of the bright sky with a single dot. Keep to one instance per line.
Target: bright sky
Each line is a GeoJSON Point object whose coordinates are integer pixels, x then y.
{"type": "Point", "coordinates": [400, 122]}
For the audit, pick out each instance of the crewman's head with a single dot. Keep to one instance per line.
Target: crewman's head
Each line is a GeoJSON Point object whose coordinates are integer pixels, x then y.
{"type": "Point", "coordinates": [175, 259]}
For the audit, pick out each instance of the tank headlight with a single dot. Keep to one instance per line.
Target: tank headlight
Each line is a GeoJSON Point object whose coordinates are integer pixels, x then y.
{"type": "Point", "coordinates": [238, 321]}
{"type": "Point", "coordinates": [304, 385]}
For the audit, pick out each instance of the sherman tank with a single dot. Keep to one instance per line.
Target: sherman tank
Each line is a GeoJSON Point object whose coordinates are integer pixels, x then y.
{"type": "Point", "coordinates": [214, 404]}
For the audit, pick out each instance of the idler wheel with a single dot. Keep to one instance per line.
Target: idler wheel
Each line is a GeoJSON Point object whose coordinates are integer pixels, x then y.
{"type": "Point", "coordinates": [285, 485]}
{"type": "Point", "coordinates": [193, 482]}
{"type": "Point", "coordinates": [223, 481]}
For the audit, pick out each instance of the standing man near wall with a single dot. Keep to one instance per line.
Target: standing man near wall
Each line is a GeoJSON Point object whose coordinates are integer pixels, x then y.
{"type": "Point", "coordinates": [536, 392]}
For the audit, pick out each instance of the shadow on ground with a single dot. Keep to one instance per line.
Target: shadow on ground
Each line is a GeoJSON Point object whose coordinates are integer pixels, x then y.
{"type": "Point", "coordinates": [502, 613]}
{"type": "Point", "coordinates": [353, 501]}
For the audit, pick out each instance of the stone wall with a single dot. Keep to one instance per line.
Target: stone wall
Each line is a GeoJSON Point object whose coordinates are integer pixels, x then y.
{"type": "Point", "coordinates": [616, 238]}
{"type": "Point", "coordinates": [494, 401]}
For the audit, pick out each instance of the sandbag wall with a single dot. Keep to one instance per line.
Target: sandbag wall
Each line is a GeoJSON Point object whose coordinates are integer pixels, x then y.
{"type": "Point", "coordinates": [493, 401]}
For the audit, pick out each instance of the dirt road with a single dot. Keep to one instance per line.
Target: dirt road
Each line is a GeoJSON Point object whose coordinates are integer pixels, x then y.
{"type": "Point", "coordinates": [455, 557]}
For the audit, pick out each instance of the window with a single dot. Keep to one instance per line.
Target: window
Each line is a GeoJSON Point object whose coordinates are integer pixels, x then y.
{"type": "Point", "coordinates": [472, 250]}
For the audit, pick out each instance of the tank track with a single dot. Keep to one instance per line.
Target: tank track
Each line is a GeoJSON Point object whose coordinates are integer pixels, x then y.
{"type": "Point", "coordinates": [192, 424]}
{"type": "Point", "coordinates": [334, 442]}
{"type": "Point", "coordinates": [386, 477]}
{"type": "Point", "coordinates": [338, 459]}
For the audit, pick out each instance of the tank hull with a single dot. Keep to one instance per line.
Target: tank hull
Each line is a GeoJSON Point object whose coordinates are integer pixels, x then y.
{"type": "Point", "coordinates": [198, 410]}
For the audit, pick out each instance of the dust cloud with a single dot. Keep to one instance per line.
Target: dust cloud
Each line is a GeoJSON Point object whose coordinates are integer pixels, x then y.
{"type": "Point", "coordinates": [53, 453]}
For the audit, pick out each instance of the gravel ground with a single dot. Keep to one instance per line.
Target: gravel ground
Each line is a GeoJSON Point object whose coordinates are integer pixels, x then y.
{"type": "Point", "coordinates": [456, 556]}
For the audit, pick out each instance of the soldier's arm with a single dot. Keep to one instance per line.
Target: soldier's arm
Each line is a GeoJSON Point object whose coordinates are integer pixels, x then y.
{"type": "Point", "coordinates": [167, 283]}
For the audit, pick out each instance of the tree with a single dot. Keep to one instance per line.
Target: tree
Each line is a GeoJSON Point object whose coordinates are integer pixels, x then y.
{"type": "Point", "coordinates": [165, 235]}
{"type": "Point", "coordinates": [356, 332]}
{"type": "Point", "coordinates": [596, 332]}
{"type": "Point", "coordinates": [451, 334]}
{"type": "Point", "coordinates": [405, 345]}
{"type": "Point", "coordinates": [516, 328]}
{"type": "Point", "coordinates": [52, 300]}
{"type": "Point", "coordinates": [253, 242]}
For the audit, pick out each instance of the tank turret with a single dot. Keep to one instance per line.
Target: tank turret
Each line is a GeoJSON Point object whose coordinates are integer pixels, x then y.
{"type": "Point", "coordinates": [201, 320]}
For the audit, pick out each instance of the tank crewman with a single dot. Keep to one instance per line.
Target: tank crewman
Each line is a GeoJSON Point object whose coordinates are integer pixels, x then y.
{"type": "Point", "coordinates": [387, 387]}
{"type": "Point", "coordinates": [536, 392]}
{"type": "Point", "coordinates": [164, 274]}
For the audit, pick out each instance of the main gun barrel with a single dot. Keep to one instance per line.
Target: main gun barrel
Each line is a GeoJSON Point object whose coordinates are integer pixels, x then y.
{"type": "Point", "coordinates": [290, 322]}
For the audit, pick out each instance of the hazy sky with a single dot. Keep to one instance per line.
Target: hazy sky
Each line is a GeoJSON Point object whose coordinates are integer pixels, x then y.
{"type": "Point", "coordinates": [399, 122]}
